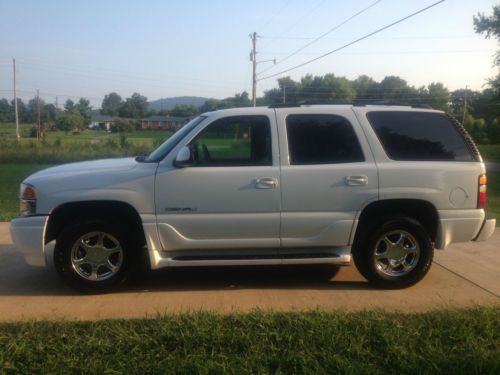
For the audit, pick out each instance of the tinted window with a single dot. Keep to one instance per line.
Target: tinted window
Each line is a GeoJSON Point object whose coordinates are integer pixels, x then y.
{"type": "Point", "coordinates": [419, 136]}
{"type": "Point", "coordinates": [241, 140]}
{"type": "Point", "coordinates": [322, 139]}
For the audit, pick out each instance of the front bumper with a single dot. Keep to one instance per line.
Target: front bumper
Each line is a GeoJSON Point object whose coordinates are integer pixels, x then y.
{"type": "Point", "coordinates": [28, 234]}
{"type": "Point", "coordinates": [486, 230]}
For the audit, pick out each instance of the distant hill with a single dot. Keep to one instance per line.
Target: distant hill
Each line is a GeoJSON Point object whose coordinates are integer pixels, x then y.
{"type": "Point", "coordinates": [170, 103]}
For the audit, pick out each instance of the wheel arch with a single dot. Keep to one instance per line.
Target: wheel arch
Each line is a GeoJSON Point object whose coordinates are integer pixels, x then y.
{"type": "Point", "coordinates": [421, 210]}
{"type": "Point", "coordinates": [67, 213]}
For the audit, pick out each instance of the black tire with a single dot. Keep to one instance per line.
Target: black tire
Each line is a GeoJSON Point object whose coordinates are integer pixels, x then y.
{"type": "Point", "coordinates": [368, 252]}
{"type": "Point", "coordinates": [75, 277]}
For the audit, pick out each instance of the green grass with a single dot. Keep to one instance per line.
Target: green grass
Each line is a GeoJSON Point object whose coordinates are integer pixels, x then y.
{"type": "Point", "coordinates": [61, 147]}
{"type": "Point", "coordinates": [490, 152]}
{"type": "Point", "coordinates": [452, 342]}
{"type": "Point", "coordinates": [11, 175]}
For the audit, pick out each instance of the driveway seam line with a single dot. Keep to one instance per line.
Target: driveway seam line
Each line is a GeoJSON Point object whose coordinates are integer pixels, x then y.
{"type": "Point", "coordinates": [470, 281]}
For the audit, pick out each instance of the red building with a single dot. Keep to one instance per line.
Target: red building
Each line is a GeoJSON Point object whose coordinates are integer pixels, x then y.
{"type": "Point", "coordinates": [163, 122]}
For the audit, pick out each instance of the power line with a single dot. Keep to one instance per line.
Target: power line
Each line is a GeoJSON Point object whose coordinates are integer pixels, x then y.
{"type": "Point", "coordinates": [353, 42]}
{"type": "Point", "coordinates": [396, 52]}
{"type": "Point", "coordinates": [127, 74]}
{"type": "Point", "coordinates": [380, 38]}
{"type": "Point", "coordinates": [304, 16]}
{"type": "Point", "coordinates": [277, 13]}
{"type": "Point", "coordinates": [120, 77]}
{"type": "Point", "coordinates": [324, 34]}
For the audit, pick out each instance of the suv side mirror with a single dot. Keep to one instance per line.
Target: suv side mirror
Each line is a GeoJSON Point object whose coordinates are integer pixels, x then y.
{"type": "Point", "coordinates": [183, 158]}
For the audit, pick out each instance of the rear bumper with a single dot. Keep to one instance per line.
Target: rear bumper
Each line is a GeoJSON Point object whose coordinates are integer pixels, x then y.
{"type": "Point", "coordinates": [486, 230]}
{"type": "Point", "coordinates": [28, 235]}
{"type": "Point", "coordinates": [461, 226]}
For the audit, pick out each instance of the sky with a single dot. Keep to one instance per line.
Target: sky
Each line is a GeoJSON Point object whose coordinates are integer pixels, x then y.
{"type": "Point", "coordinates": [73, 49]}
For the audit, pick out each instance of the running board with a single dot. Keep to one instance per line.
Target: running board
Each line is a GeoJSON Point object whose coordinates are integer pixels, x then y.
{"type": "Point", "coordinates": [337, 256]}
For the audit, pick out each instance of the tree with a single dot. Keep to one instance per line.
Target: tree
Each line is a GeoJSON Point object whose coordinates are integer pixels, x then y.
{"type": "Point", "coordinates": [121, 125]}
{"type": "Point", "coordinates": [50, 112]}
{"type": "Point", "coordinates": [238, 100]}
{"type": "Point", "coordinates": [21, 110]}
{"type": "Point", "coordinates": [439, 96]}
{"type": "Point", "coordinates": [6, 111]}
{"type": "Point", "coordinates": [84, 108]}
{"type": "Point", "coordinates": [489, 26]}
{"type": "Point", "coordinates": [209, 105]}
{"type": "Point", "coordinates": [33, 110]}
{"type": "Point", "coordinates": [493, 131]}
{"type": "Point", "coordinates": [184, 110]}
{"type": "Point", "coordinates": [365, 87]}
{"type": "Point", "coordinates": [70, 120]}
{"type": "Point", "coordinates": [111, 104]}
{"type": "Point", "coordinates": [69, 105]}
{"type": "Point", "coordinates": [395, 88]}
{"type": "Point", "coordinates": [134, 107]}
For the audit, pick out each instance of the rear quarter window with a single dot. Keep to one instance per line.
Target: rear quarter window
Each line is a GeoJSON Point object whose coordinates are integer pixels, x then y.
{"type": "Point", "coordinates": [419, 136]}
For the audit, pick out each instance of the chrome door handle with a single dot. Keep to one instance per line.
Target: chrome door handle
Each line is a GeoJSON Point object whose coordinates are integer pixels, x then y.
{"type": "Point", "coordinates": [356, 180]}
{"type": "Point", "coordinates": [266, 183]}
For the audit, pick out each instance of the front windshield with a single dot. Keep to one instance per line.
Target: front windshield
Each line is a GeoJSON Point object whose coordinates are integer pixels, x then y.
{"type": "Point", "coordinates": [171, 142]}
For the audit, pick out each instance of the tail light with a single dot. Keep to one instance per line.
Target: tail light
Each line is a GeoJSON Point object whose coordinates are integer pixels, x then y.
{"type": "Point", "coordinates": [482, 191]}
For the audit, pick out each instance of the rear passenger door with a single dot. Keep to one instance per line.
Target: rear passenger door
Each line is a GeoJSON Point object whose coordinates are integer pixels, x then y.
{"type": "Point", "coordinates": [327, 175]}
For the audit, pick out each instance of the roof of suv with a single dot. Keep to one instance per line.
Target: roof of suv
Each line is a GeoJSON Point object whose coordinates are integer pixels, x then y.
{"type": "Point", "coordinates": [327, 107]}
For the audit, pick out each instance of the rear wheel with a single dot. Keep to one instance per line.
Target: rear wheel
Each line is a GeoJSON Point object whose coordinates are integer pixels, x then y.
{"type": "Point", "coordinates": [93, 256]}
{"type": "Point", "coordinates": [394, 253]}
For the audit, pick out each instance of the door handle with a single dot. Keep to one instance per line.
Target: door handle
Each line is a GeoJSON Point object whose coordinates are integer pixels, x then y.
{"type": "Point", "coordinates": [266, 183]}
{"type": "Point", "coordinates": [356, 180]}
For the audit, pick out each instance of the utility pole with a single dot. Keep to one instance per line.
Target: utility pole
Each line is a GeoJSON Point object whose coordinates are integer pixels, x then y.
{"type": "Point", "coordinates": [18, 134]}
{"type": "Point", "coordinates": [254, 66]}
{"type": "Point", "coordinates": [465, 105]}
{"type": "Point", "coordinates": [38, 107]}
{"type": "Point", "coordinates": [284, 94]}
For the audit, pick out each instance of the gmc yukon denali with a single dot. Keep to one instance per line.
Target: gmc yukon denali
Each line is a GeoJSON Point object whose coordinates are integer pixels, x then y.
{"type": "Point", "coordinates": [297, 184]}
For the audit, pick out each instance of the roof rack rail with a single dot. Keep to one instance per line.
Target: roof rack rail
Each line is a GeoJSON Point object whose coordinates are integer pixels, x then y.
{"type": "Point", "coordinates": [364, 102]}
{"type": "Point", "coordinates": [309, 102]}
{"type": "Point", "coordinates": [284, 105]}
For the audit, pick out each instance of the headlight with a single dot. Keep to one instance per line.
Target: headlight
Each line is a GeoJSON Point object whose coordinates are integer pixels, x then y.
{"type": "Point", "coordinates": [27, 196]}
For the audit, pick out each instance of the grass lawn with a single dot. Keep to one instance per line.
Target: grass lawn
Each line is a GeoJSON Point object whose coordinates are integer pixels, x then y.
{"type": "Point", "coordinates": [452, 342]}
{"type": "Point", "coordinates": [11, 175]}
{"type": "Point", "coordinates": [490, 152]}
{"type": "Point", "coordinates": [60, 147]}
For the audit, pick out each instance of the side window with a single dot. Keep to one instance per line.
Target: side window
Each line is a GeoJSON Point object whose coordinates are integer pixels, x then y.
{"type": "Point", "coordinates": [322, 139]}
{"type": "Point", "coordinates": [419, 136]}
{"type": "Point", "coordinates": [233, 141]}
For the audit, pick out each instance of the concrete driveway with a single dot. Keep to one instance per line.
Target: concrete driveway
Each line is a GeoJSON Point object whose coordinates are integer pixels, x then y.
{"type": "Point", "coordinates": [463, 275]}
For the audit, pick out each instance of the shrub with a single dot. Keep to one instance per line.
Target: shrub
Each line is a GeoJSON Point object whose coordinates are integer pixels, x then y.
{"type": "Point", "coordinates": [121, 125]}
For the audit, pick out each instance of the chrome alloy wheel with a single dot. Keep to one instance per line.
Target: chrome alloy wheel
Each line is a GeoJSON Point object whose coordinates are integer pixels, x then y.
{"type": "Point", "coordinates": [97, 256]}
{"type": "Point", "coordinates": [396, 253]}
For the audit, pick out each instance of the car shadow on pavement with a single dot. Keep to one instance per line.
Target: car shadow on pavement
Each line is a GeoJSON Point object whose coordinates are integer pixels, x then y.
{"type": "Point", "coordinates": [19, 279]}
{"type": "Point", "coordinates": [316, 277]}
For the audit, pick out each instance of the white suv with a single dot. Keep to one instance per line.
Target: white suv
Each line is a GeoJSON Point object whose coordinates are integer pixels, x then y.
{"type": "Point", "coordinates": [251, 186]}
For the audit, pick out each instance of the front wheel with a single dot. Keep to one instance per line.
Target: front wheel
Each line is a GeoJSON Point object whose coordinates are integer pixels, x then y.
{"type": "Point", "coordinates": [395, 253]}
{"type": "Point", "coordinates": [92, 256]}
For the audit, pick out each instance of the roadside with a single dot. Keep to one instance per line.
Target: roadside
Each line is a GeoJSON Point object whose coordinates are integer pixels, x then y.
{"type": "Point", "coordinates": [464, 275]}
{"type": "Point", "coordinates": [492, 166]}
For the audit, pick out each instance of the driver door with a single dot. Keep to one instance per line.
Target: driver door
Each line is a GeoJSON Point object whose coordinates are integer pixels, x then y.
{"type": "Point", "coordinates": [229, 195]}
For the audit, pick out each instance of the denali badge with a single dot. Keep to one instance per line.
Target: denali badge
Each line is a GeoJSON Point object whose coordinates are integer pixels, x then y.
{"type": "Point", "coordinates": [180, 209]}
